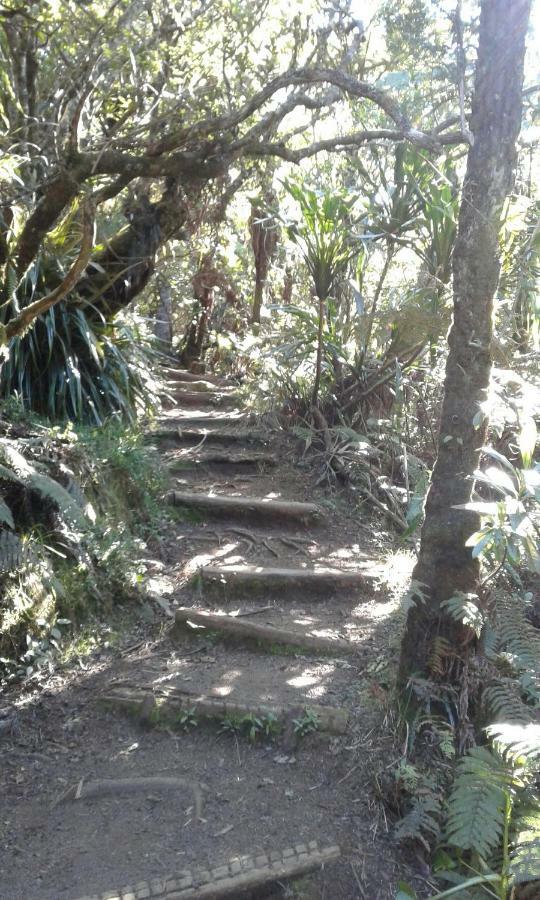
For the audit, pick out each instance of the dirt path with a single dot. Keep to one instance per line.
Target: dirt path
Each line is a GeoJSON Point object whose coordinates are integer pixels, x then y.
{"type": "Point", "coordinates": [76, 818]}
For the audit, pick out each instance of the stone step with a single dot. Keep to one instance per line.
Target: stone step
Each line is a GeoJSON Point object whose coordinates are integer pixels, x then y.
{"type": "Point", "coordinates": [246, 507]}
{"type": "Point", "coordinates": [233, 878]}
{"type": "Point", "coordinates": [268, 578]}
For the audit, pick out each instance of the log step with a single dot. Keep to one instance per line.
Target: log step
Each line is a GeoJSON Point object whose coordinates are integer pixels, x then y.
{"type": "Point", "coordinates": [211, 435]}
{"type": "Point", "coordinates": [210, 457]}
{"type": "Point", "coordinates": [232, 878]}
{"type": "Point", "coordinates": [204, 398]}
{"type": "Point", "coordinates": [201, 387]}
{"type": "Point", "coordinates": [239, 629]}
{"type": "Point", "coordinates": [185, 376]}
{"type": "Point", "coordinates": [165, 705]}
{"type": "Point", "coordinates": [217, 418]}
{"type": "Point", "coordinates": [269, 578]}
{"type": "Point", "coordinates": [251, 507]}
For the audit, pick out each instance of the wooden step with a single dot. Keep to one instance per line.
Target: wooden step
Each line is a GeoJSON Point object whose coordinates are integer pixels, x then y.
{"type": "Point", "coordinates": [214, 418]}
{"type": "Point", "coordinates": [269, 578]}
{"type": "Point", "coordinates": [185, 376]}
{"type": "Point", "coordinates": [167, 702]}
{"type": "Point", "coordinates": [234, 878]}
{"type": "Point", "coordinates": [239, 629]}
{"type": "Point", "coordinates": [216, 458]}
{"type": "Point", "coordinates": [180, 435]}
{"type": "Point", "coordinates": [201, 387]}
{"type": "Point", "coordinates": [203, 398]}
{"type": "Point", "coordinates": [246, 507]}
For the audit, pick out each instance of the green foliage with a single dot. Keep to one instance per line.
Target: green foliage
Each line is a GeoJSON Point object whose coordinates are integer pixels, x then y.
{"type": "Point", "coordinates": [492, 827]}
{"type": "Point", "coordinates": [187, 719]}
{"type": "Point", "coordinates": [15, 467]}
{"type": "Point", "coordinates": [253, 726]}
{"type": "Point", "coordinates": [74, 365]}
{"type": "Point", "coordinates": [520, 270]}
{"type": "Point", "coordinates": [324, 234]}
{"type": "Point", "coordinates": [422, 822]}
{"type": "Point", "coordinates": [509, 532]}
{"type": "Point", "coordinates": [307, 723]}
{"type": "Point", "coordinates": [68, 549]}
{"type": "Point", "coordinates": [476, 805]}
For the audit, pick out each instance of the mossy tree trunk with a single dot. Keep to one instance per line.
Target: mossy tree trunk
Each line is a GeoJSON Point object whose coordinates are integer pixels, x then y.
{"type": "Point", "coordinates": [445, 564]}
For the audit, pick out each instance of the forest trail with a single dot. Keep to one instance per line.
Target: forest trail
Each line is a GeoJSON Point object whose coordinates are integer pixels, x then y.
{"type": "Point", "coordinates": [248, 753]}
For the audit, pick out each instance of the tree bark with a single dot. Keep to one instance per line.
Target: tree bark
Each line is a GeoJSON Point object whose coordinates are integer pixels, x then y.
{"type": "Point", "coordinates": [163, 328]}
{"type": "Point", "coordinates": [318, 359]}
{"type": "Point", "coordinates": [445, 565]}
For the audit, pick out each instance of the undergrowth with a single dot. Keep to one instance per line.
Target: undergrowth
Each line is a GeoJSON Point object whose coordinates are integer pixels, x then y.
{"type": "Point", "coordinates": [78, 510]}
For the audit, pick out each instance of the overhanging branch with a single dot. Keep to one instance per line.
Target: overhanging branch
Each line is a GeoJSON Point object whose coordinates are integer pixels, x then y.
{"type": "Point", "coordinates": [19, 324]}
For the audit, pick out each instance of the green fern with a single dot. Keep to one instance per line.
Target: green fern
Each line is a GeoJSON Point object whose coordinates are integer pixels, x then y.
{"type": "Point", "coordinates": [464, 608]}
{"type": "Point", "coordinates": [477, 801]}
{"type": "Point", "coordinates": [422, 822]}
{"type": "Point", "coordinates": [525, 857]}
{"type": "Point", "coordinates": [519, 743]}
{"type": "Point", "coordinates": [18, 469]}
{"type": "Point", "coordinates": [502, 698]}
{"type": "Point", "coordinates": [517, 635]}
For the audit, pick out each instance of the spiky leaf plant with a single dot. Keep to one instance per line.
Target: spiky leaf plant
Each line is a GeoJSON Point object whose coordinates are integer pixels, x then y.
{"type": "Point", "coordinates": [75, 365]}
{"type": "Point", "coordinates": [324, 238]}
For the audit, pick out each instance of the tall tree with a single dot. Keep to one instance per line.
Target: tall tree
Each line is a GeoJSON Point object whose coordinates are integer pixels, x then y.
{"type": "Point", "coordinates": [445, 564]}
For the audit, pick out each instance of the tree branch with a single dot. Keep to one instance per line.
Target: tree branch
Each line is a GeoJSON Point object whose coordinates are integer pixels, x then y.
{"type": "Point", "coordinates": [19, 324]}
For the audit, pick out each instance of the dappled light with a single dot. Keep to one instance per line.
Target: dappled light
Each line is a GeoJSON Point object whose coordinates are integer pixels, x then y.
{"type": "Point", "coordinates": [269, 457]}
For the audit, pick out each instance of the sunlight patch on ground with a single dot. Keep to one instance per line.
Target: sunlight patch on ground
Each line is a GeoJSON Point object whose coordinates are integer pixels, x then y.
{"type": "Point", "coordinates": [383, 610]}
{"type": "Point", "coordinates": [159, 584]}
{"type": "Point", "coordinates": [204, 559]}
{"type": "Point", "coordinates": [312, 679]}
{"type": "Point", "coordinates": [345, 552]}
{"type": "Point", "coordinates": [396, 572]}
{"type": "Point", "coordinates": [227, 686]}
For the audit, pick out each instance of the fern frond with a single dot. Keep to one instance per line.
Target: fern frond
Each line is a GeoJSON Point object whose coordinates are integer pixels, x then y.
{"type": "Point", "coordinates": [502, 699]}
{"type": "Point", "coordinates": [464, 608]}
{"type": "Point", "coordinates": [516, 742]}
{"type": "Point", "coordinates": [421, 823]}
{"type": "Point", "coordinates": [17, 468]}
{"type": "Point", "coordinates": [491, 641]}
{"type": "Point", "coordinates": [525, 859]}
{"type": "Point", "coordinates": [439, 650]}
{"type": "Point", "coordinates": [477, 801]}
{"type": "Point", "coordinates": [517, 635]}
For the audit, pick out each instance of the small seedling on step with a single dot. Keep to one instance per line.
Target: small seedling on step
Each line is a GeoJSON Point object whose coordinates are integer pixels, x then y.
{"type": "Point", "coordinates": [188, 718]}
{"type": "Point", "coordinates": [306, 724]}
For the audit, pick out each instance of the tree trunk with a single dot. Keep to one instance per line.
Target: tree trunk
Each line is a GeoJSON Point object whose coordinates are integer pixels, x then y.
{"type": "Point", "coordinates": [163, 329]}
{"type": "Point", "coordinates": [257, 301]}
{"type": "Point", "coordinates": [445, 565]}
{"type": "Point", "coordinates": [318, 361]}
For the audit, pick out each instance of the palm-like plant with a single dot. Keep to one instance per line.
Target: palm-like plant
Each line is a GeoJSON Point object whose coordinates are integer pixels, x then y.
{"type": "Point", "coordinates": [71, 363]}
{"type": "Point", "coordinates": [325, 242]}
